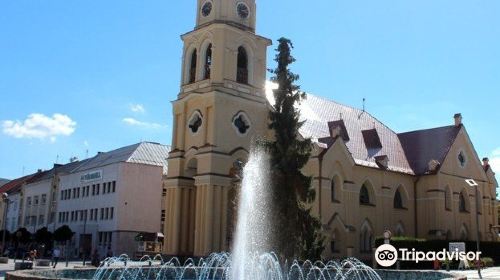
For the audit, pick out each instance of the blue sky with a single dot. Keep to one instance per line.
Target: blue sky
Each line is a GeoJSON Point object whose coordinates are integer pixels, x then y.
{"type": "Point", "coordinates": [97, 75]}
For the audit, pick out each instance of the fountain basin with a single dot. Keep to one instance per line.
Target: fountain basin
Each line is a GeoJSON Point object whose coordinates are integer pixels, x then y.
{"type": "Point", "coordinates": [89, 273]}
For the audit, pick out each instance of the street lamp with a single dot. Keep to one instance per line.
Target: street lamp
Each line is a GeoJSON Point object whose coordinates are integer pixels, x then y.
{"type": "Point", "coordinates": [6, 201]}
{"type": "Point", "coordinates": [475, 185]}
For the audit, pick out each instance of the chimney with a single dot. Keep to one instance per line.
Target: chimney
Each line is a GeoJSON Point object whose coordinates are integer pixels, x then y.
{"type": "Point", "coordinates": [486, 163]}
{"type": "Point", "coordinates": [433, 165]}
{"type": "Point", "coordinates": [335, 132]}
{"type": "Point", "coordinates": [458, 119]}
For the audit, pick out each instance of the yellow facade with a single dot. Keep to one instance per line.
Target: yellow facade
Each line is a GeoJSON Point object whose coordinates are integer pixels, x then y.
{"type": "Point", "coordinates": [222, 107]}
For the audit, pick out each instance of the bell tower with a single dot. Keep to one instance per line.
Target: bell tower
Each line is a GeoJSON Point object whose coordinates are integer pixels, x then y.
{"type": "Point", "coordinates": [220, 108]}
{"type": "Point", "coordinates": [241, 13]}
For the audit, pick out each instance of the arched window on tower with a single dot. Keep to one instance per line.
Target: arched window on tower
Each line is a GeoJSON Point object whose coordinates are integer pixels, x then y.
{"type": "Point", "coordinates": [242, 71]}
{"type": "Point", "coordinates": [192, 67]}
{"type": "Point", "coordinates": [208, 62]}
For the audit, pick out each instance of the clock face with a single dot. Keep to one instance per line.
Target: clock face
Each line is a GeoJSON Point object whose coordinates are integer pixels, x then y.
{"type": "Point", "coordinates": [243, 10]}
{"type": "Point", "coordinates": [206, 9]}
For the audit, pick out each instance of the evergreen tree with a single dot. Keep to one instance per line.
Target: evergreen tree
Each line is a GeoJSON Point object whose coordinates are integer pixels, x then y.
{"type": "Point", "coordinates": [296, 232]}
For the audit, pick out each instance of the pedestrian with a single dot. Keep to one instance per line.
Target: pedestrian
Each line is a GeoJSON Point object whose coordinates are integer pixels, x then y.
{"type": "Point", "coordinates": [32, 256]}
{"type": "Point", "coordinates": [95, 259]}
{"type": "Point", "coordinates": [56, 254]}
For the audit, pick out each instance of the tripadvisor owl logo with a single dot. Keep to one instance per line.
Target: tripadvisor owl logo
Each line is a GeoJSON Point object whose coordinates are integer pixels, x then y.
{"type": "Point", "coordinates": [386, 255]}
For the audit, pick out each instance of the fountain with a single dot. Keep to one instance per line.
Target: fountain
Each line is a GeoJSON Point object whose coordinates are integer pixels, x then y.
{"type": "Point", "coordinates": [250, 259]}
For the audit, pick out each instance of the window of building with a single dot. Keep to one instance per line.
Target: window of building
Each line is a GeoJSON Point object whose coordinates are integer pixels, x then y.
{"type": "Point", "coordinates": [364, 195]}
{"type": "Point", "coordinates": [28, 201]}
{"type": "Point", "coordinates": [102, 213]}
{"type": "Point", "coordinates": [62, 195]}
{"type": "Point", "coordinates": [163, 215]}
{"type": "Point", "coordinates": [111, 213]}
{"type": "Point", "coordinates": [106, 213]}
{"type": "Point", "coordinates": [366, 239]}
{"type": "Point", "coordinates": [192, 67]}
{"type": "Point", "coordinates": [242, 70]}
{"type": "Point", "coordinates": [447, 198]}
{"type": "Point", "coordinates": [41, 219]}
{"type": "Point", "coordinates": [462, 205]}
{"type": "Point", "coordinates": [333, 192]}
{"type": "Point", "coordinates": [36, 200]}
{"type": "Point", "coordinates": [398, 200]}
{"type": "Point", "coordinates": [114, 186]}
{"type": "Point", "coordinates": [195, 122]}
{"type": "Point", "coordinates": [208, 62]}
{"type": "Point", "coordinates": [164, 192]}
{"type": "Point", "coordinates": [44, 199]}
{"type": "Point", "coordinates": [241, 123]}
{"type": "Point", "coordinates": [462, 159]}
{"type": "Point", "coordinates": [109, 187]}
{"type": "Point", "coordinates": [97, 188]}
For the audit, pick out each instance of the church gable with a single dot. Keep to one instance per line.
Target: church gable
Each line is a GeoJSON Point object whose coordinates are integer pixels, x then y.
{"type": "Point", "coordinates": [462, 159]}
{"type": "Point", "coordinates": [427, 149]}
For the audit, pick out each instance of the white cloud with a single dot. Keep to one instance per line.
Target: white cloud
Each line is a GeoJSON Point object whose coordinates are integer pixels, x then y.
{"type": "Point", "coordinates": [137, 108]}
{"type": "Point", "coordinates": [134, 122]}
{"type": "Point", "coordinates": [40, 126]}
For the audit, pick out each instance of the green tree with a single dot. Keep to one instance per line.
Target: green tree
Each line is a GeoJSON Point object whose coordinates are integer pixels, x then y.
{"type": "Point", "coordinates": [43, 236]}
{"type": "Point", "coordinates": [63, 234]}
{"type": "Point", "coordinates": [7, 235]}
{"type": "Point", "coordinates": [296, 232]}
{"type": "Point", "coordinates": [22, 236]}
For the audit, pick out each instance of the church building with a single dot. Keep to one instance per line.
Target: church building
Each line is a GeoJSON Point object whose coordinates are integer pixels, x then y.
{"type": "Point", "coordinates": [367, 177]}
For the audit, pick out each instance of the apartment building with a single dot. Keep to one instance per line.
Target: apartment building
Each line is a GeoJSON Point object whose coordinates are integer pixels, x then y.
{"type": "Point", "coordinates": [111, 198]}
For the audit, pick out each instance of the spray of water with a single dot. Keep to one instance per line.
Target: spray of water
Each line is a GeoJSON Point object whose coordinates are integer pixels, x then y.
{"type": "Point", "coordinates": [252, 231]}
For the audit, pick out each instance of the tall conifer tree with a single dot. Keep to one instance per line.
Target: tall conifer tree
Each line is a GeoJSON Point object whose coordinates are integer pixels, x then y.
{"type": "Point", "coordinates": [296, 232]}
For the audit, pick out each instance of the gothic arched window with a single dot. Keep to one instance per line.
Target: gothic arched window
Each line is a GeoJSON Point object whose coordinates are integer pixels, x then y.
{"type": "Point", "coordinates": [398, 200]}
{"type": "Point", "coordinates": [192, 67]}
{"type": "Point", "coordinates": [364, 195]}
{"type": "Point", "coordinates": [333, 191]}
{"type": "Point", "coordinates": [366, 238]}
{"type": "Point", "coordinates": [447, 198]}
{"type": "Point", "coordinates": [208, 62]}
{"type": "Point", "coordinates": [462, 205]}
{"type": "Point", "coordinates": [242, 71]}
